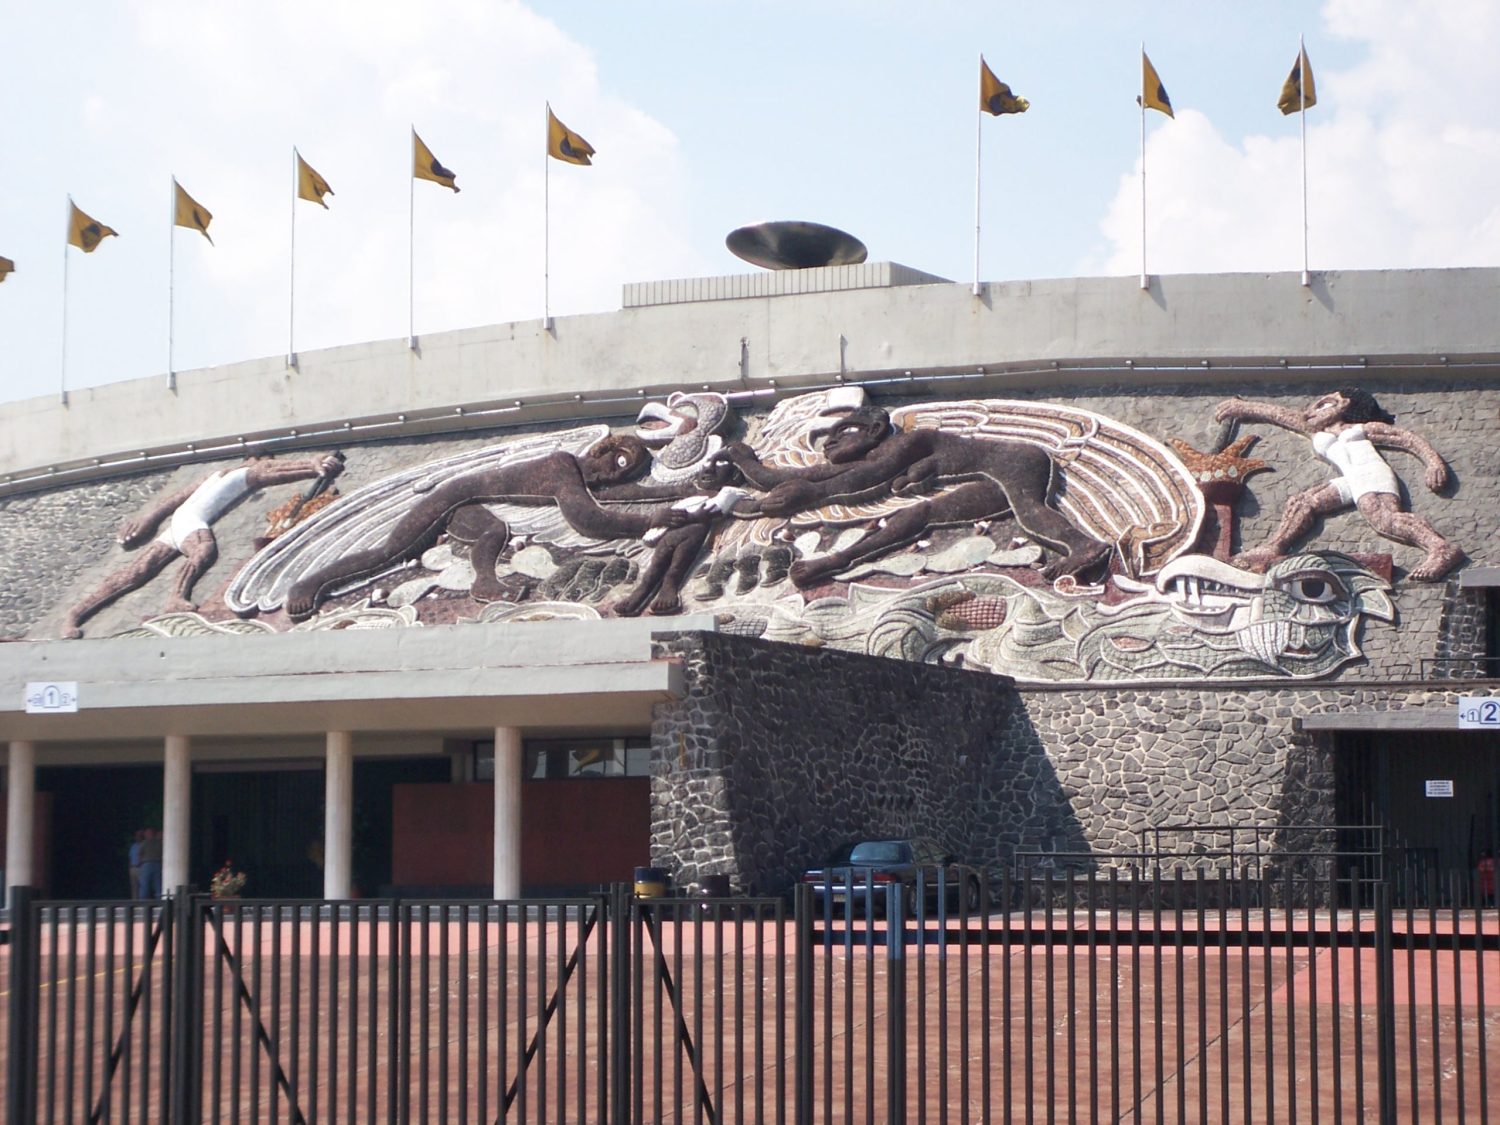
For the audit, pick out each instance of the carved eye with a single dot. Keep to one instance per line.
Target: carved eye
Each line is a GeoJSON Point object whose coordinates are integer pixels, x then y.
{"type": "Point", "coordinates": [621, 461]}
{"type": "Point", "coordinates": [688, 408]}
{"type": "Point", "coordinates": [1313, 587]}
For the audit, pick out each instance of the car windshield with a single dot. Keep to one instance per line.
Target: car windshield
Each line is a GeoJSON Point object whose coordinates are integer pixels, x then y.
{"type": "Point", "coordinates": [880, 851]}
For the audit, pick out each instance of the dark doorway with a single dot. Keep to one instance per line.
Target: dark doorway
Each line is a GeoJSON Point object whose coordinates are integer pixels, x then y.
{"type": "Point", "coordinates": [268, 823]}
{"type": "Point", "coordinates": [1436, 794]}
{"type": "Point", "coordinates": [95, 812]}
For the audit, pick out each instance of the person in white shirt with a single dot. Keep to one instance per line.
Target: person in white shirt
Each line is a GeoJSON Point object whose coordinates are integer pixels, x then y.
{"type": "Point", "coordinates": [1348, 429]}
{"type": "Point", "coordinates": [181, 525]}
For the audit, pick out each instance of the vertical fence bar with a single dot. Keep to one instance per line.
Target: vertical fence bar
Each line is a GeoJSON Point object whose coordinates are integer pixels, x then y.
{"type": "Point", "coordinates": [895, 1001]}
{"type": "Point", "coordinates": [1455, 900]}
{"type": "Point", "coordinates": [1481, 947]}
{"type": "Point", "coordinates": [20, 1069]}
{"type": "Point", "coordinates": [1385, 1011]}
{"type": "Point", "coordinates": [802, 1006]}
{"type": "Point", "coordinates": [619, 1047]}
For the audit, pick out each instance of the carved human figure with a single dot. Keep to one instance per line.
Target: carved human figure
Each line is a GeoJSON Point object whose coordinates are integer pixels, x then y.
{"type": "Point", "coordinates": [868, 459]}
{"type": "Point", "coordinates": [189, 516]}
{"type": "Point", "coordinates": [1348, 428]}
{"type": "Point", "coordinates": [575, 484]}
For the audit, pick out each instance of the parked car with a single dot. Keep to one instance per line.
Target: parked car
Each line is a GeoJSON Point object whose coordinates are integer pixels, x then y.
{"type": "Point", "coordinates": [862, 867]}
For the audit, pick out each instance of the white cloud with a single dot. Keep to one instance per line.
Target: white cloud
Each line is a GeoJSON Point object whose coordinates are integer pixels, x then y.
{"type": "Point", "coordinates": [217, 92]}
{"type": "Point", "coordinates": [1402, 161]}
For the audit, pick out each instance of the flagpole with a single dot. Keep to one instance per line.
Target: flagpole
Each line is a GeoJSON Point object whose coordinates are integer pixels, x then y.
{"type": "Point", "coordinates": [978, 152]}
{"type": "Point", "coordinates": [291, 315]}
{"type": "Point", "coordinates": [1145, 281]}
{"type": "Point", "coordinates": [1302, 98]}
{"type": "Point", "coordinates": [171, 284]}
{"type": "Point", "coordinates": [547, 227]}
{"type": "Point", "coordinates": [411, 248]}
{"type": "Point", "coordinates": [68, 230]}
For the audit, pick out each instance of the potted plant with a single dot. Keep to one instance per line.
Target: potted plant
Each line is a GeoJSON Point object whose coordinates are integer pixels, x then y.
{"type": "Point", "coordinates": [227, 882]}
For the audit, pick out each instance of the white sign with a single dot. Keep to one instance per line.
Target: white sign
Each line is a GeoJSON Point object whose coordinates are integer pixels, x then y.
{"type": "Point", "coordinates": [1439, 787]}
{"type": "Point", "coordinates": [51, 699]}
{"type": "Point", "coordinates": [1479, 712]}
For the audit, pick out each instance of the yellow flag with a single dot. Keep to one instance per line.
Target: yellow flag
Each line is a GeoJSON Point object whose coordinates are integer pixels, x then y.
{"type": "Point", "coordinates": [425, 166]}
{"type": "Point", "coordinates": [310, 185]}
{"type": "Point", "coordinates": [6, 267]}
{"type": "Point", "coordinates": [1299, 91]}
{"type": "Point", "coordinates": [84, 232]}
{"type": "Point", "coordinates": [564, 144]}
{"type": "Point", "coordinates": [1153, 93]}
{"type": "Point", "coordinates": [191, 214]}
{"type": "Point", "coordinates": [995, 96]}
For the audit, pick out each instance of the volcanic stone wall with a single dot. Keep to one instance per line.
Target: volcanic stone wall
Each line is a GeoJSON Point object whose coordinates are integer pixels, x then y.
{"type": "Point", "coordinates": [776, 754]}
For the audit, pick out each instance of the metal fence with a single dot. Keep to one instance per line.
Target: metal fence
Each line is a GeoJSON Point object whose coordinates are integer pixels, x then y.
{"type": "Point", "coordinates": [1057, 997]}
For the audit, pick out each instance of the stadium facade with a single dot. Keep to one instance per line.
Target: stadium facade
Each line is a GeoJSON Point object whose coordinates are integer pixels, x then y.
{"type": "Point", "coordinates": [1063, 569]}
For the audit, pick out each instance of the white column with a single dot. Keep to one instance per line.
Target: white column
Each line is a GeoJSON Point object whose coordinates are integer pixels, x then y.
{"type": "Point", "coordinates": [338, 815]}
{"type": "Point", "coordinates": [507, 812]}
{"type": "Point", "coordinates": [177, 796]}
{"type": "Point", "coordinates": [20, 816]}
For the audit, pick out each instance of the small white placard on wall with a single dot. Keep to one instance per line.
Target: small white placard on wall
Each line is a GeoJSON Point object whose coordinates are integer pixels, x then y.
{"type": "Point", "coordinates": [1478, 712]}
{"type": "Point", "coordinates": [51, 699]}
{"type": "Point", "coordinates": [1440, 787]}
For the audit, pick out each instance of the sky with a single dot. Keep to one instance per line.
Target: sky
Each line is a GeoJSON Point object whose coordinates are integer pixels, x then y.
{"type": "Point", "coordinates": [706, 115]}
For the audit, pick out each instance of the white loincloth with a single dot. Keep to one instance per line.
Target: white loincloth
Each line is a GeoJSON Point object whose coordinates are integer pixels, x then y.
{"type": "Point", "coordinates": [209, 501]}
{"type": "Point", "coordinates": [1364, 471]}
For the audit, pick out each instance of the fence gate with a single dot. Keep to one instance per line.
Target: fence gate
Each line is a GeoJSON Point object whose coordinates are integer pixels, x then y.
{"type": "Point", "coordinates": [1049, 997]}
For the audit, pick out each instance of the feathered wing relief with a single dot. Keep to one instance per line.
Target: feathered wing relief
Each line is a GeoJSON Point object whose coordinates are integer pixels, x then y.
{"type": "Point", "coordinates": [364, 517]}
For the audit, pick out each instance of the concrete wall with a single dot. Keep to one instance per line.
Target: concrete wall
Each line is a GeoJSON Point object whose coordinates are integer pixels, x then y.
{"type": "Point", "coordinates": [597, 365]}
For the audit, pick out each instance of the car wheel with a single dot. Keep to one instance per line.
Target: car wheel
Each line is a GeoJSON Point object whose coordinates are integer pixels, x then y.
{"type": "Point", "coordinates": [971, 895]}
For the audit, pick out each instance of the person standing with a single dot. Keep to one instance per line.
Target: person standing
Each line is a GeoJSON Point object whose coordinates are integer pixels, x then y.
{"type": "Point", "coordinates": [134, 862]}
{"type": "Point", "coordinates": [150, 886]}
{"type": "Point", "coordinates": [1487, 878]}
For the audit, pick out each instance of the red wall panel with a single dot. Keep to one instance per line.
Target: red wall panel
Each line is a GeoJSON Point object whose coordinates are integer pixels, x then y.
{"type": "Point", "coordinates": [572, 832]}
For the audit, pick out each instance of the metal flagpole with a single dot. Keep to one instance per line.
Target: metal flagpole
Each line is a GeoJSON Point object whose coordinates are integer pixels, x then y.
{"type": "Point", "coordinates": [1145, 281]}
{"type": "Point", "coordinates": [291, 315]}
{"type": "Point", "coordinates": [547, 226]}
{"type": "Point", "coordinates": [411, 247]}
{"type": "Point", "coordinates": [1302, 97]}
{"type": "Point", "coordinates": [978, 141]}
{"type": "Point", "coordinates": [67, 232]}
{"type": "Point", "coordinates": [171, 284]}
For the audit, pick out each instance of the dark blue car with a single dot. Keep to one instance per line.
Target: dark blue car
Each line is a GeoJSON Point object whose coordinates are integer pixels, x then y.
{"type": "Point", "coordinates": [927, 872]}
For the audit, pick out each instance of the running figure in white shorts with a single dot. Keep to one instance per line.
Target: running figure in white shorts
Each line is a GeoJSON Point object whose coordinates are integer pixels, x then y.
{"type": "Point", "coordinates": [1348, 429]}
{"type": "Point", "coordinates": [181, 525]}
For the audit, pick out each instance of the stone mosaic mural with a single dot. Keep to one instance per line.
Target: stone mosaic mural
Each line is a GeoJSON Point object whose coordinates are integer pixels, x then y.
{"type": "Point", "coordinates": [1041, 541]}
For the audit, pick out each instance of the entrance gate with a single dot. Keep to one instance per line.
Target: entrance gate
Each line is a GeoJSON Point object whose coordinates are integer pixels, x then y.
{"type": "Point", "coordinates": [1065, 997]}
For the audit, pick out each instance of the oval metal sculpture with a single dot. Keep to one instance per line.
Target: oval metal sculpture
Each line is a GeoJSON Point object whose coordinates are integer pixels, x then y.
{"type": "Point", "coordinates": [794, 245]}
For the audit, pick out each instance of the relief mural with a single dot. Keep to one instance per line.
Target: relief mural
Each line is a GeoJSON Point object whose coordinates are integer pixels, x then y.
{"type": "Point", "coordinates": [1045, 542]}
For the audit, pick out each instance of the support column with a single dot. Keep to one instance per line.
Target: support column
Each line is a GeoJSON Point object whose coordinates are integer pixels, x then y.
{"type": "Point", "coordinates": [20, 812]}
{"type": "Point", "coordinates": [507, 812]}
{"type": "Point", "coordinates": [177, 797]}
{"type": "Point", "coordinates": [338, 816]}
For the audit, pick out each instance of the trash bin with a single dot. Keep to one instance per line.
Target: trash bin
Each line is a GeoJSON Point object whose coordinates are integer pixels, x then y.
{"type": "Point", "coordinates": [714, 886]}
{"type": "Point", "coordinates": [650, 882]}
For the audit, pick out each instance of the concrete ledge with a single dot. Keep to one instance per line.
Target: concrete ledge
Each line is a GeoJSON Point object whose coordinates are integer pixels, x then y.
{"type": "Point", "coordinates": [570, 674]}
{"type": "Point", "coordinates": [775, 283]}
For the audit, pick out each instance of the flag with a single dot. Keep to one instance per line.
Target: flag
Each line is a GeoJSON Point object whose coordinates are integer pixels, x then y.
{"type": "Point", "coordinates": [84, 232]}
{"type": "Point", "coordinates": [425, 166]}
{"type": "Point", "coordinates": [1299, 91]}
{"type": "Point", "coordinates": [995, 96]}
{"type": "Point", "coordinates": [1153, 93]}
{"type": "Point", "coordinates": [311, 186]}
{"type": "Point", "coordinates": [191, 214]}
{"type": "Point", "coordinates": [564, 144]}
{"type": "Point", "coordinates": [6, 267]}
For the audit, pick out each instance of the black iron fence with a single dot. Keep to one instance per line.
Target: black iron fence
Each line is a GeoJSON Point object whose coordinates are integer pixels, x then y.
{"type": "Point", "coordinates": [1051, 996]}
